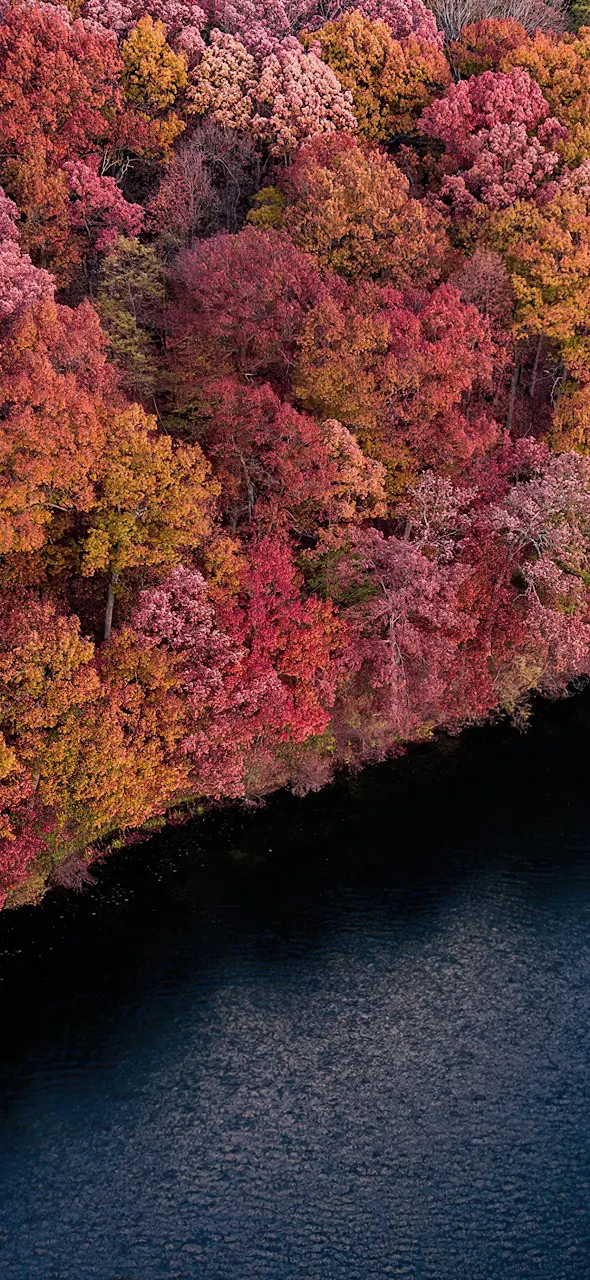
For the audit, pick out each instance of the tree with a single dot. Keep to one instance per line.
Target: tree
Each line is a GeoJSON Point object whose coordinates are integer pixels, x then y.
{"type": "Point", "coordinates": [295, 646]}
{"type": "Point", "coordinates": [130, 303]}
{"type": "Point", "coordinates": [499, 138]}
{"type": "Point", "coordinates": [99, 210]}
{"type": "Point", "coordinates": [547, 252]}
{"type": "Point", "coordinates": [570, 426]}
{"type": "Point", "coordinates": [153, 75]}
{"type": "Point", "coordinates": [404, 18]}
{"type": "Point", "coordinates": [561, 67]}
{"type": "Point", "coordinates": [482, 46]}
{"type": "Point", "coordinates": [222, 704]}
{"type": "Point", "coordinates": [207, 187]}
{"type": "Point", "coordinates": [261, 25]}
{"type": "Point", "coordinates": [184, 20]}
{"type": "Point", "coordinates": [484, 281]}
{"type": "Point", "coordinates": [545, 522]}
{"type": "Point", "coordinates": [21, 284]}
{"type": "Point", "coordinates": [224, 82]}
{"type": "Point", "coordinates": [351, 210]}
{"type": "Point", "coordinates": [534, 15]}
{"type": "Point", "coordinates": [58, 84]}
{"type": "Point", "coordinates": [152, 502]}
{"type": "Point", "coordinates": [285, 98]}
{"type": "Point", "coordinates": [401, 375]}
{"type": "Point", "coordinates": [241, 304]}
{"type": "Point", "coordinates": [54, 378]}
{"type": "Point", "coordinates": [409, 627]}
{"type": "Point", "coordinates": [283, 470]}
{"type": "Point", "coordinates": [390, 81]}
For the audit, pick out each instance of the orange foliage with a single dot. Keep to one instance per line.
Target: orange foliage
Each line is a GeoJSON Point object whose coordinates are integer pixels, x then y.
{"type": "Point", "coordinates": [391, 81]}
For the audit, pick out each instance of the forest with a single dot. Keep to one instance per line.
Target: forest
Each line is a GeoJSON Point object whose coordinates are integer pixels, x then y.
{"type": "Point", "coordinates": [295, 410]}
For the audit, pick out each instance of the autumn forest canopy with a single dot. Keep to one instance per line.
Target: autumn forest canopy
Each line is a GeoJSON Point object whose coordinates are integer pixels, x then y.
{"type": "Point", "coordinates": [295, 407]}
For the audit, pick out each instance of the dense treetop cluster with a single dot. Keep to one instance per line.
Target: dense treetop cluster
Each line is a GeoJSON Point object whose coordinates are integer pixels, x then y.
{"type": "Point", "coordinates": [295, 407]}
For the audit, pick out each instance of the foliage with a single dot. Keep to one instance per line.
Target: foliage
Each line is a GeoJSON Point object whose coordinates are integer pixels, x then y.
{"type": "Point", "coordinates": [241, 307]}
{"type": "Point", "coordinates": [482, 46]}
{"type": "Point", "coordinates": [350, 208]}
{"type": "Point", "coordinates": [547, 251]}
{"type": "Point", "coordinates": [390, 81]}
{"type": "Point", "coordinates": [130, 302]}
{"type": "Point", "coordinates": [295, 396]}
{"type": "Point", "coordinates": [499, 139]}
{"type": "Point", "coordinates": [153, 75]}
{"type": "Point", "coordinates": [285, 98]}
{"type": "Point", "coordinates": [561, 68]}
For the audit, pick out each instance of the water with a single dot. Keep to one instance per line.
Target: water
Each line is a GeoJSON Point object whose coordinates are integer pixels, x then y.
{"type": "Point", "coordinates": [345, 1037]}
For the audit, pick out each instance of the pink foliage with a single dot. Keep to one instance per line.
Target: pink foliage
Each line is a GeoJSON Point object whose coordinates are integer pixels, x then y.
{"type": "Point", "coordinates": [221, 702]}
{"type": "Point", "coordinates": [484, 280]}
{"type": "Point", "coordinates": [404, 18]}
{"type": "Point", "coordinates": [439, 350]}
{"type": "Point", "coordinates": [498, 137]}
{"type": "Point", "coordinates": [100, 208]}
{"type": "Point", "coordinates": [21, 284]}
{"type": "Point", "coordinates": [409, 632]}
{"type": "Point", "coordinates": [259, 23]}
{"type": "Point", "coordinates": [16, 856]}
{"type": "Point", "coordinates": [297, 97]}
{"type": "Point", "coordinates": [282, 94]}
{"type": "Point", "coordinates": [9, 215]}
{"type": "Point", "coordinates": [184, 21]}
{"type": "Point", "coordinates": [266, 670]}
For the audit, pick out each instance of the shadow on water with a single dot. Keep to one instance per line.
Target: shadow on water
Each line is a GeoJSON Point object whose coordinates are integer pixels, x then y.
{"type": "Point", "coordinates": [339, 1036]}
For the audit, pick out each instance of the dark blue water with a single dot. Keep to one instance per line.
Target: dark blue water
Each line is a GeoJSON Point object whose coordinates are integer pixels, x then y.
{"type": "Point", "coordinates": [345, 1037]}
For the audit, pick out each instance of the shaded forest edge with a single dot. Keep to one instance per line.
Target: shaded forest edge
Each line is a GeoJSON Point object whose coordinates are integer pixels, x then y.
{"type": "Point", "coordinates": [295, 413]}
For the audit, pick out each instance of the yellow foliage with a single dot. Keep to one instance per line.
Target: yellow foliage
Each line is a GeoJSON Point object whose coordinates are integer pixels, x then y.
{"type": "Point", "coordinates": [154, 498]}
{"type": "Point", "coordinates": [390, 81]}
{"type": "Point", "coordinates": [547, 252]}
{"type": "Point", "coordinates": [570, 429]}
{"type": "Point", "coordinates": [153, 74]}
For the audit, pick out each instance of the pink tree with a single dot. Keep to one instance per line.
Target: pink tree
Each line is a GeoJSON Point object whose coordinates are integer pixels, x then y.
{"type": "Point", "coordinates": [179, 617]}
{"type": "Point", "coordinates": [184, 21]}
{"type": "Point", "coordinates": [99, 208]}
{"type": "Point", "coordinates": [279, 92]}
{"type": "Point", "coordinates": [499, 139]}
{"type": "Point", "coordinates": [21, 284]}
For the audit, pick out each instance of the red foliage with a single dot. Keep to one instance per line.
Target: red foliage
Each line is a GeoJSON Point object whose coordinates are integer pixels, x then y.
{"type": "Point", "coordinates": [283, 469]}
{"type": "Point", "coordinates": [58, 83]}
{"type": "Point", "coordinates": [241, 303]}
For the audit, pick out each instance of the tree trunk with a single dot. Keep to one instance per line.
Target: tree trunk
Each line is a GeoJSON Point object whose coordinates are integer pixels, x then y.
{"type": "Point", "coordinates": [108, 618]}
{"type": "Point", "coordinates": [536, 367]}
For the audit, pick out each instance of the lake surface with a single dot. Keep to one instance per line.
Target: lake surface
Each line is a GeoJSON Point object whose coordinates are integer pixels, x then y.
{"type": "Point", "coordinates": [344, 1037]}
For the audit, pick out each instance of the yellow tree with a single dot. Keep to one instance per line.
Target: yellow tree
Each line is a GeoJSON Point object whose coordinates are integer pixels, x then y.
{"type": "Point", "coordinates": [154, 502]}
{"type": "Point", "coordinates": [349, 207]}
{"type": "Point", "coordinates": [391, 81]}
{"type": "Point", "coordinates": [547, 252]}
{"type": "Point", "coordinates": [153, 75]}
